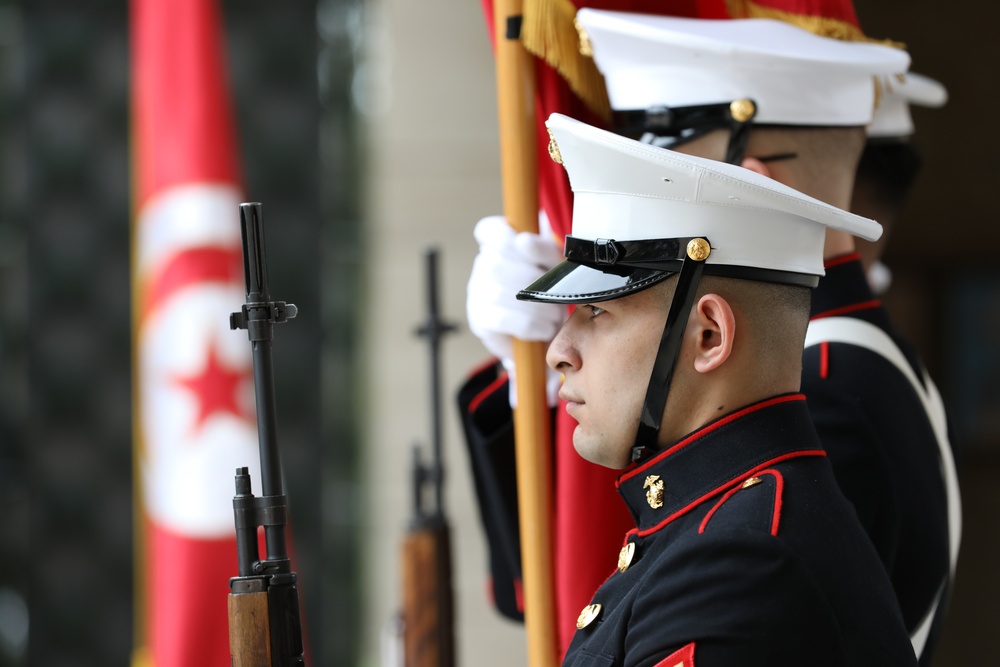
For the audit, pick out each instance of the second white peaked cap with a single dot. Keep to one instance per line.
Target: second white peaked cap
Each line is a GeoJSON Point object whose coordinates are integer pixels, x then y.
{"type": "Point", "coordinates": [892, 117]}
{"type": "Point", "coordinates": [634, 203]}
{"type": "Point", "coordinates": [794, 76]}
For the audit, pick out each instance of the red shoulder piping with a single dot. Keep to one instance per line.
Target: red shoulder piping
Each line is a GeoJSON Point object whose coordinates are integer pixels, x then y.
{"type": "Point", "coordinates": [779, 487]}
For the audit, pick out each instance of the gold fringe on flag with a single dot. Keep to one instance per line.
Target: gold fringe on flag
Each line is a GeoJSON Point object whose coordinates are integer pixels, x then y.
{"type": "Point", "coordinates": [549, 32]}
{"type": "Point", "coordinates": [818, 25]}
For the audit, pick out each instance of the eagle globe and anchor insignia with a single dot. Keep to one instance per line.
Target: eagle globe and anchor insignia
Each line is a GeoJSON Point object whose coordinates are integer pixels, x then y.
{"type": "Point", "coordinates": [654, 493]}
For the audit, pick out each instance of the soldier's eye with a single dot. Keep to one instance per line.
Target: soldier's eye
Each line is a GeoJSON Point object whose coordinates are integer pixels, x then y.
{"type": "Point", "coordinates": [594, 310]}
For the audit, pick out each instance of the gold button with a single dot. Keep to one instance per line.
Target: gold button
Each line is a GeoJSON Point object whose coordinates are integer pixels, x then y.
{"type": "Point", "coordinates": [698, 249]}
{"type": "Point", "coordinates": [554, 149]}
{"type": "Point", "coordinates": [742, 110]}
{"type": "Point", "coordinates": [752, 481]}
{"type": "Point", "coordinates": [625, 556]}
{"type": "Point", "coordinates": [588, 616]}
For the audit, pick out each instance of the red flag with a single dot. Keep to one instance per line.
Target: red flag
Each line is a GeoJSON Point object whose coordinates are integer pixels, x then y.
{"type": "Point", "coordinates": [193, 407]}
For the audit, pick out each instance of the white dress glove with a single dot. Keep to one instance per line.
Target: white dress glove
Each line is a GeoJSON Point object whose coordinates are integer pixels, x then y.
{"type": "Point", "coordinates": [508, 262]}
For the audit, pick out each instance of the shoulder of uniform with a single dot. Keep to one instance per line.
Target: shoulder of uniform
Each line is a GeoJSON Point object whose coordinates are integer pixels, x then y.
{"type": "Point", "coordinates": [754, 503]}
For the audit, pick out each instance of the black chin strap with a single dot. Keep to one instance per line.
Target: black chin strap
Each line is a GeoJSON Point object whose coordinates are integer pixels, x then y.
{"type": "Point", "coordinates": [739, 133]}
{"type": "Point", "coordinates": [666, 357]}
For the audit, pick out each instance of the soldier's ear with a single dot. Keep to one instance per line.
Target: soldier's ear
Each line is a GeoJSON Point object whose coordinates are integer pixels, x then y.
{"type": "Point", "coordinates": [714, 331]}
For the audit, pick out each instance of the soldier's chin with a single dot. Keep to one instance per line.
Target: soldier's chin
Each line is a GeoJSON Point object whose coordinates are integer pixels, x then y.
{"type": "Point", "coordinates": [598, 451]}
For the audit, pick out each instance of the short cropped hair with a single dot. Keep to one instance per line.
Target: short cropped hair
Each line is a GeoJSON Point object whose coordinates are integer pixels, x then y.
{"type": "Point", "coordinates": [777, 314]}
{"type": "Point", "coordinates": [889, 169]}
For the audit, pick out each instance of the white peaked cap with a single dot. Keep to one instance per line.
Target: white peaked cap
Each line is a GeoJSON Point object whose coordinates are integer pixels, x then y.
{"type": "Point", "coordinates": [628, 191]}
{"type": "Point", "coordinates": [794, 76]}
{"type": "Point", "coordinates": [892, 116]}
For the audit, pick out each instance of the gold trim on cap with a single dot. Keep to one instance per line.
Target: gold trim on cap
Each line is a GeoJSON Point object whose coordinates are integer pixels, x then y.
{"type": "Point", "coordinates": [698, 249]}
{"type": "Point", "coordinates": [588, 615]}
{"type": "Point", "coordinates": [625, 556]}
{"type": "Point", "coordinates": [742, 110]}
{"type": "Point", "coordinates": [554, 149]}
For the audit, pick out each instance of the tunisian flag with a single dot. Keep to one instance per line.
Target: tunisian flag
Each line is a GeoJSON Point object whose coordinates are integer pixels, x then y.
{"type": "Point", "coordinates": [193, 379]}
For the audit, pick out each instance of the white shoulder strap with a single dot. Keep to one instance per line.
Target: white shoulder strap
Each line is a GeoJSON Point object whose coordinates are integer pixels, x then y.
{"type": "Point", "coordinates": [864, 334]}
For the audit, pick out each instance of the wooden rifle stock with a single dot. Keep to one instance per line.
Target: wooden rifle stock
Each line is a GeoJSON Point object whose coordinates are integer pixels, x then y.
{"type": "Point", "coordinates": [264, 625]}
{"type": "Point", "coordinates": [428, 600]}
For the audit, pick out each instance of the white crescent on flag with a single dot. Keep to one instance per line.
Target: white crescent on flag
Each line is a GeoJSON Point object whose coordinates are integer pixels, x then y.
{"type": "Point", "coordinates": [196, 379]}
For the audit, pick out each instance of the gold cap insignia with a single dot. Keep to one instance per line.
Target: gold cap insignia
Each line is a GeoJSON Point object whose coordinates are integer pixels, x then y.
{"type": "Point", "coordinates": [625, 556]}
{"type": "Point", "coordinates": [588, 616]}
{"type": "Point", "coordinates": [742, 110]}
{"type": "Point", "coordinates": [751, 481]}
{"type": "Point", "coordinates": [698, 249]}
{"type": "Point", "coordinates": [554, 149]}
{"type": "Point", "coordinates": [654, 496]}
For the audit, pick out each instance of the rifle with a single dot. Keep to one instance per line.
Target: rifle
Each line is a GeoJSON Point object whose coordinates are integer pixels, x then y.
{"type": "Point", "coordinates": [428, 604]}
{"type": "Point", "coordinates": [264, 625]}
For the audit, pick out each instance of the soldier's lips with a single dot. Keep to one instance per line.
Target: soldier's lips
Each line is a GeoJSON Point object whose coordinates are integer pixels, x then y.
{"type": "Point", "coordinates": [572, 402]}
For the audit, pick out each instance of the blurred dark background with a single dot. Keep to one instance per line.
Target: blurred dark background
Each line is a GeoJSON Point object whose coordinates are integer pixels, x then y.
{"type": "Point", "coordinates": [65, 351]}
{"type": "Point", "coordinates": [65, 395]}
{"type": "Point", "coordinates": [945, 294]}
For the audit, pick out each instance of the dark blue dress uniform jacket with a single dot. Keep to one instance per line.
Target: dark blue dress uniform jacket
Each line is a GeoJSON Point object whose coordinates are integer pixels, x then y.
{"type": "Point", "coordinates": [882, 448]}
{"type": "Point", "coordinates": [745, 553]}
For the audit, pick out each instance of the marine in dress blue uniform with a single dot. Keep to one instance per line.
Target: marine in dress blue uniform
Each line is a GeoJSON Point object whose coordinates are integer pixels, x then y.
{"type": "Point", "coordinates": [885, 452]}
{"type": "Point", "coordinates": [875, 424]}
{"type": "Point", "coordinates": [744, 550]}
{"type": "Point", "coordinates": [874, 404]}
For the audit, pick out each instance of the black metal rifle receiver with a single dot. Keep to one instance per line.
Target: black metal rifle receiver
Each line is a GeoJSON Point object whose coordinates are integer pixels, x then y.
{"type": "Point", "coordinates": [264, 624]}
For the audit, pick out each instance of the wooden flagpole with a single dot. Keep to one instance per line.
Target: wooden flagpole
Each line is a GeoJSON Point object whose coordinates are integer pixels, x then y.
{"type": "Point", "coordinates": [532, 423]}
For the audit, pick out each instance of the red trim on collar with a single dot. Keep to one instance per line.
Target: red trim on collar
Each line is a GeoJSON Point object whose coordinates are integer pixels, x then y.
{"type": "Point", "coordinates": [486, 392]}
{"type": "Point", "coordinates": [842, 259]}
{"type": "Point", "coordinates": [779, 488]}
{"type": "Point", "coordinates": [824, 359]}
{"type": "Point", "coordinates": [682, 657]}
{"type": "Point", "coordinates": [749, 473]}
{"type": "Point", "coordinates": [708, 428]}
{"type": "Point", "coordinates": [843, 310]}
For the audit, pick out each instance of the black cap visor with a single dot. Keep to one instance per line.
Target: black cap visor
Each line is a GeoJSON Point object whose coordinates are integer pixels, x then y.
{"type": "Point", "coordinates": [604, 269]}
{"type": "Point", "coordinates": [570, 282]}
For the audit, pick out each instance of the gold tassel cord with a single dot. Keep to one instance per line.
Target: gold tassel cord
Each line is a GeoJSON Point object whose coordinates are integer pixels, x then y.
{"type": "Point", "coordinates": [549, 32]}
